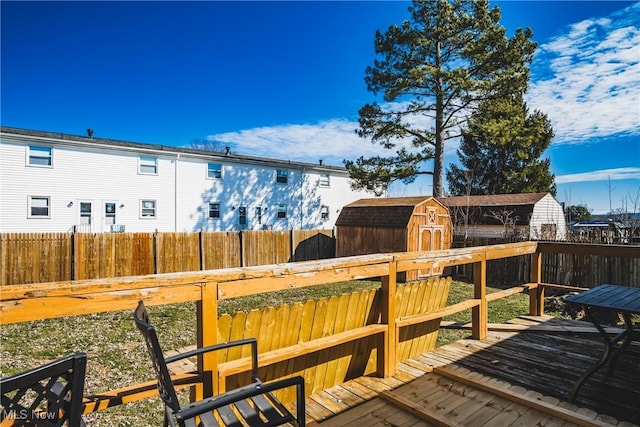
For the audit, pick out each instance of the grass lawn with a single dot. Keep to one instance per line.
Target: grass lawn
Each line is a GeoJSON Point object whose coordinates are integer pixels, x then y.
{"type": "Point", "coordinates": [116, 353]}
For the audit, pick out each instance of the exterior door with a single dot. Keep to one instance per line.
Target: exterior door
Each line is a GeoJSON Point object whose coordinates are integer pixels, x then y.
{"type": "Point", "coordinates": [109, 216]}
{"type": "Point", "coordinates": [258, 216]}
{"type": "Point", "coordinates": [242, 218]}
{"type": "Point", "coordinates": [85, 220]}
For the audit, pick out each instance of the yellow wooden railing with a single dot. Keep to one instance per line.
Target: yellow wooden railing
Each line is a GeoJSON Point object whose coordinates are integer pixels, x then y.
{"type": "Point", "coordinates": [20, 303]}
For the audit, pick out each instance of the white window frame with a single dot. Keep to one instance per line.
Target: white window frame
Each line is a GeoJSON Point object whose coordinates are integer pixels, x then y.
{"type": "Point", "coordinates": [282, 176]}
{"type": "Point", "coordinates": [210, 210]}
{"type": "Point", "coordinates": [142, 208]}
{"type": "Point", "coordinates": [217, 173]}
{"type": "Point", "coordinates": [30, 205]}
{"type": "Point", "coordinates": [145, 162]}
{"type": "Point", "coordinates": [37, 154]}
{"type": "Point", "coordinates": [324, 212]}
{"type": "Point", "coordinates": [281, 212]}
{"type": "Point", "coordinates": [325, 180]}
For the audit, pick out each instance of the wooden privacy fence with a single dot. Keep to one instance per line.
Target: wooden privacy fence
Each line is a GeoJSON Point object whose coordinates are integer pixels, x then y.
{"type": "Point", "coordinates": [288, 326]}
{"type": "Point", "coordinates": [50, 257]}
{"type": "Point", "coordinates": [587, 268]}
{"type": "Point", "coordinates": [381, 324]}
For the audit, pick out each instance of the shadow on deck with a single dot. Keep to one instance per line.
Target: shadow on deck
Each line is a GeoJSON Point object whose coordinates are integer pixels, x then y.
{"type": "Point", "coordinates": [511, 378]}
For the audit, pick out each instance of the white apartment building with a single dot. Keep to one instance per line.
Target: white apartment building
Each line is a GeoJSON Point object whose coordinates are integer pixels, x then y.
{"type": "Point", "coordinates": [52, 182]}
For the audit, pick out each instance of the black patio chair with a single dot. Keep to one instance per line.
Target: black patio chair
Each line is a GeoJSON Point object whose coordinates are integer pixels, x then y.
{"type": "Point", "coordinates": [252, 404]}
{"type": "Point", "coordinates": [47, 396]}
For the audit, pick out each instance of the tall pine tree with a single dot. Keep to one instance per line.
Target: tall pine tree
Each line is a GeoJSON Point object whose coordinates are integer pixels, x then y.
{"type": "Point", "coordinates": [501, 151]}
{"type": "Point", "coordinates": [434, 70]}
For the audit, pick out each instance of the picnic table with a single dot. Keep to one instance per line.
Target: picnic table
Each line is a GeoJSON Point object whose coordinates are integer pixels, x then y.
{"type": "Point", "coordinates": [621, 299]}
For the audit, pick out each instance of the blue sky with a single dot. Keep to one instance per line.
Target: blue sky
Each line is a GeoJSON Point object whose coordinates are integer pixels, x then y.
{"type": "Point", "coordinates": [286, 79]}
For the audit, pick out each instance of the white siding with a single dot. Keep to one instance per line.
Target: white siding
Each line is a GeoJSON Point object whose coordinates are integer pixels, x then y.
{"type": "Point", "coordinates": [98, 174]}
{"type": "Point", "coordinates": [548, 211]}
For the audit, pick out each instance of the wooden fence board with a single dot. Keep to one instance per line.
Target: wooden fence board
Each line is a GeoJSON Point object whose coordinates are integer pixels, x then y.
{"type": "Point", "coordinates": [177, 252]}
{"type": "Point", "coordinates": [266, 247]}
{"type": "Point", "coordinates": [221, 249]}
{"type": "Point", "coordinates": [342, 315]}
{"type": "Point", "coordinates": [573, 269]}
{"type": "Point", "coordinates": [317, 329]}
{"type": "Point", "coordinates": [313, 244]}
{"type": "Point", "coordinates": [46, 257]}
{"type": "Point", "coordinates": [91, 254]}
{"type": "Point", "coordinates": [142, 259]}
{"type": "Point", "coordinates": [34, 257]}
{"type": "Point", "coordinates": [417, 298]}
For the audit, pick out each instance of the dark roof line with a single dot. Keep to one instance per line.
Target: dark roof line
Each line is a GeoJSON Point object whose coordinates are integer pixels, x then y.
{"type": "Point", "coordinates": [493, 199]}
{"type": "Point", "coordinates": [147, 146]}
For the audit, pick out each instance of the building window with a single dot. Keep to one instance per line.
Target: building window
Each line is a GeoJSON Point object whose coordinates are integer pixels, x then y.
{"type": "Point", "coordinates": [39, 206]}
{"type": "Point", "coordinates": [40, 156]}
{"type": "Point", "coordinates": [214, 170]}
{"type": "Point", "coordinates": [282, 176]}
{"type": "Point", "coordinates": [147, 208]}
{"type": "Point", "coordinates": [282, 211]}
{"type": "Point", "coordinates": [324, 212]}
{"type": "Point", "coordinates": [148, 165]}
{"type": "Point", "coordinates": [258, 214]}
{"type": "Point", "coordinates": [214, 210]}
{"type": "Point", "coordinates": [324, 180]}
{"type": "Point", "coordinates": [242, 216]}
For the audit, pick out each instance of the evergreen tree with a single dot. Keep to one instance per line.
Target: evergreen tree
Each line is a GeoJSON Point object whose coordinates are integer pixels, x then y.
{"type": "Point", "coordinates": [434, 71]}
{"type": "Point", "coordinates": [577, 213]}
{"type": "Point", "coordinates": [501, 149]}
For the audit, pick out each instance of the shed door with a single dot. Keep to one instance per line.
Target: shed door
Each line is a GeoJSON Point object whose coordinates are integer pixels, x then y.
{"type": "Point", "coordinates": [431, 239]}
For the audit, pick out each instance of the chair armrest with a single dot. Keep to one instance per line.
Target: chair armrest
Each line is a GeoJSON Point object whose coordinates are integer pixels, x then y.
{"type": "Point", "coordinates": [251, 341]}
{"type": "Point", "coordinates": [246, 392]}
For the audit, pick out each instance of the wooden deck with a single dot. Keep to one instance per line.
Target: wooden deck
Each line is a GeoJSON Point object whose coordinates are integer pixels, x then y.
{"type": "Point", "coordinates": [521, 376]}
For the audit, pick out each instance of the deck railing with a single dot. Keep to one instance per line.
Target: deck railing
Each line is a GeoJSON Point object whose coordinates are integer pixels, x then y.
{"type": "Point", "coordinates": [21, 303]}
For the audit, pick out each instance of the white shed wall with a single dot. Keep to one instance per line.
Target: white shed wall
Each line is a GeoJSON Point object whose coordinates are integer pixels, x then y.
{"type": "Point", "coordinates": [547, 211]}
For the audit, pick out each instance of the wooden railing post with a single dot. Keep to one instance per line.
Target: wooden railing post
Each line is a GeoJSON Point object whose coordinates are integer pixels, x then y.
{"type": "Point", "coordinates": [387, 343]}
{"type": "Point", "coordinates": [536, 295]}
{"type": "Point", "coordinates": [207, 331]}
{"type": "Point", "coordinates": [479, 313]}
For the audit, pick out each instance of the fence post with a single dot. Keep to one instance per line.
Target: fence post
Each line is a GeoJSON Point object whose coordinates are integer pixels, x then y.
{"type": "Point", "coordinates": [207, 333]}
{"type": "Point", "coordinates": [536, 295]}
{"type": "Point", "coordinates": [387, 343]}
{"type": "Point", "coordinates": [75, 275]}
{"type": "Point", "coordinates": [201, 250]}
{"type": "Point", "coordinates": [479, 313]}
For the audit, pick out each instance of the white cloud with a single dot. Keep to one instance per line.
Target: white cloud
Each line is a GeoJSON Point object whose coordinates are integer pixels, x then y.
{"type": "Point", "coordinates": [588, 80]}
{"type": "Point", "coordinates": [601, 175]}
{"type": "Point", "coordinates": [332, 141]}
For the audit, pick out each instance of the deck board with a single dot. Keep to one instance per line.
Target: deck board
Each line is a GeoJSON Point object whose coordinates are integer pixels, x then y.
{"type": "Point", "coordinates": [539, 365]}
{"type": "Point", "coordinates": [542, 363]}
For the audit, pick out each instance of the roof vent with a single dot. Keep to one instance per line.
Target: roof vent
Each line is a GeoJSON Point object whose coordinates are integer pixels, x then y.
{"type": "Point", "coordinates": [320, 162]}
{"type": "Point", "coordinates": [227, 150]}
{"type": "Point", "coordinates": [90, 133]}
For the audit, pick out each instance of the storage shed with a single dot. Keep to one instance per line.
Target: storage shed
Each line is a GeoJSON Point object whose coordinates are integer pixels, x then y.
{"type": "Point", "coordinates": [536, 216]}
{"type": "Point", "coordinates": [395, 224]}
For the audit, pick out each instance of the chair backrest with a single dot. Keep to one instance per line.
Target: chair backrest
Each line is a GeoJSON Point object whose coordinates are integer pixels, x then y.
{"type": "Point", "coordinates": [165, 385]}
{"type": "Point", "coordinates": [46, 396]}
